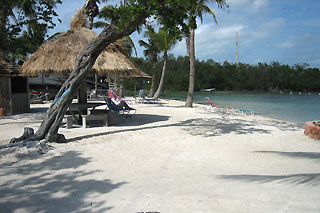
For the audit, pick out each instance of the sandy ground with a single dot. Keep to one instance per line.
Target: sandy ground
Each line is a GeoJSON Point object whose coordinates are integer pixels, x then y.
{"type": "Point", "coordinates": [165, 158]}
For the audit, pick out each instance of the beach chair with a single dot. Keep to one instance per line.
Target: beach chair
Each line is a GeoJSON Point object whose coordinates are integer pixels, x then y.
{"type": "Point", "coordinates": [230, 110]}
{"type": "Point", "coordinates": [216, 108]}
{"type": "Point", "coordinates": [110, 94]}
{"type": "Point", "coordinates": [117, 109]}
{"type": "Point", "coordinates": [114, 97]}
{"type": "Point", "coordinates": [246, 112]}
{"type": "Point", "coordinates": [145, 100]}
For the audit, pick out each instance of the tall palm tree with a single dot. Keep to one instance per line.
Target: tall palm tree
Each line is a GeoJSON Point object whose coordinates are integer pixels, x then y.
{"type": "Point", "coordinates": [107, 13]}
{"type": "Point", "coordinates": [126, 44]}
{"type": "Point", "coordinates": [197, 9]}
{"type": "Point", "coordinates": [92, 10]}
{"type": "Point", "coordinates": [151, 52]}
{"type": "Point", "coordinates": [164, 42]}
{"type": "Point", "coordinates": [24, 14]}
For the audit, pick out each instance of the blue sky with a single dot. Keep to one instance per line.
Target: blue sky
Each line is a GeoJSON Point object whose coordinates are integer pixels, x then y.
{"type": "Point", "coordinates": [287, 31]}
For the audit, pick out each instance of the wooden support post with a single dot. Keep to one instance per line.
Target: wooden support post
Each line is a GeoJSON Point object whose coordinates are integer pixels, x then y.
{"type": "Point", "coordinates": [69, 121]}
{"type": "Point", "coordinates": [82, 95]}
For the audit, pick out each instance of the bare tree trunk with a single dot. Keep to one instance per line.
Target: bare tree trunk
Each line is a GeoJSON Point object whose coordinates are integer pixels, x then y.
{"type": "Point", "coordinates": [153, 79]}
{"type": "Point", "coordinates": [95, 86]}
{"type": "Point", "coordinates": [121, 88]}
{"type": "Point", "coordinates": [90, 22]}
{"type": "Point", "coordinates": [189, 100]}
{"type": "Point", "coordinates": [50, 125]}
{"type": "Point", "coordinates": [157, 94]}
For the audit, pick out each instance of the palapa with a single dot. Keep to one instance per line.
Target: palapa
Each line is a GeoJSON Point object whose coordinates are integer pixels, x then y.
{"type": "Point", "coordinates": [134, 75]}
{"type": "Point", "coordinates": [7, 69]}
{"type": "Point", "coordinates": [59, 55]}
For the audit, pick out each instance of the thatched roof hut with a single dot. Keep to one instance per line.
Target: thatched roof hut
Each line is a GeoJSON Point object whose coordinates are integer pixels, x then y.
{"type": "Point", "coordinates": [14, 97]}
{"type": "Point", "coordinates": [135, 75]}
{"type": "Point", "coordinates": [59, 56]}
{"type": "Point", "coordinates": [8, 69]}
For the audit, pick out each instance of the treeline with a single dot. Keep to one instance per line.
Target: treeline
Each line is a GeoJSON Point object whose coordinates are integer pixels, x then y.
{"type": "Point", "coordinates": [227, 76]}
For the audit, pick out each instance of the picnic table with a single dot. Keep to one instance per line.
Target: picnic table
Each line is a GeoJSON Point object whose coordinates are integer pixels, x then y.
{"type": "Point", "coordinates": [80, 111]}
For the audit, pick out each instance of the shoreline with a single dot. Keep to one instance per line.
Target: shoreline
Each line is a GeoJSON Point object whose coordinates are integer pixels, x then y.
{"type": "Point", "coordinates": [165, 158]}
{"type": "Point", "coordinates": [293, 108]}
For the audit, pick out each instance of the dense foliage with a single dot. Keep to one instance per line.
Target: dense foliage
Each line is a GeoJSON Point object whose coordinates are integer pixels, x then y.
{"type": "Point", "coordinates": [227, 76]}
{"type": "Point", "coordinates": [23, 26]}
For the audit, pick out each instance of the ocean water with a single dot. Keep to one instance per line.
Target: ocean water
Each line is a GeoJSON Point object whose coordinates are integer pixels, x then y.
{"type": "Point", "coordinates": [295, 107]}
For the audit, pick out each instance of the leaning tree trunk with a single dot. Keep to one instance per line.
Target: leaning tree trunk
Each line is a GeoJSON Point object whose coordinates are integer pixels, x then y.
{"type": "Point", "coordinates": [189, 100]}
{"type": "Point", "coordinates": [157, 94]}
{"type": "Point", "coordinates": [51, 123]}
{"type": "Point", "coordinates": [153, 79]}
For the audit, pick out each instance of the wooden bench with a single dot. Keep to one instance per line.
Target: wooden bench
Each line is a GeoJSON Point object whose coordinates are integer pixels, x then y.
{"type": "Point", "coordinates": [91, 117]}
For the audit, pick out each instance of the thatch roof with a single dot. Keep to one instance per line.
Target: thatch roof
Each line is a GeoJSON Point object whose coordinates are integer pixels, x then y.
{"type": "Point", "coordinates": [135, 75]}
{"type": "Point", "coordinates": [59, 55]}
{"type": "Point", "coordinates": [7, 69]}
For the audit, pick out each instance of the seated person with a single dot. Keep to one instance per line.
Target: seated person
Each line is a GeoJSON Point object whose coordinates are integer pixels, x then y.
{"type": "Point", "coordinates": [141, 91]}
{"type": "Point", "coordinates": [121, 106]}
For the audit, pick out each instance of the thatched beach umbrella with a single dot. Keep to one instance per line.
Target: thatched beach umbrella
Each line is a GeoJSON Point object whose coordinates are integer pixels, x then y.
{"type": "Point", "coordinates": [141, 74]}
{"type": "Point", "coordinates": [59, 56]}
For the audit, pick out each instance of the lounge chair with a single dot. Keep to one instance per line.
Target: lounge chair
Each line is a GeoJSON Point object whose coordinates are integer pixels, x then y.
{"type": "Point", "coordinates": [230, 110]}
{"type": "Point", "coordinates": [117, 109]}
{"type": "Point", "coordinates": [145, 100]}
{"type": "Point", "coordinates": [216, 108]}
{"type": "Point", "coordinates": [245, 112]}
{"type": "Point", "coordinates": [114, 97]}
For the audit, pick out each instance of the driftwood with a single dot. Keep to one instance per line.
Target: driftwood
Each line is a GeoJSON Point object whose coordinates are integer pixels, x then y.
{"type": "Point", "coordinates": [50, 125]}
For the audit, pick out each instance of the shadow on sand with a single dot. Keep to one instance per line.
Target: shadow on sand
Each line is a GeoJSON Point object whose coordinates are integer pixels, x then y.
{"type": "Point", "coordinates": [309, 179]}
{"type": "Point", "coordinates": [197, 127]}
{"type": "Point", "coordinates": [54, 185]}
{"type": "Point", "coordinates": [308, 155]}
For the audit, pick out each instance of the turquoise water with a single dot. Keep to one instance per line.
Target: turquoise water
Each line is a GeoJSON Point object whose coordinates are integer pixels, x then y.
{"type": "Point", "coordinates": [288, 107]}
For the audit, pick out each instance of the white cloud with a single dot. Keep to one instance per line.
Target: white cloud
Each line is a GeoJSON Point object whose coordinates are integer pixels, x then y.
{"type": "Point", "coordinates": [212, 31]}
{"type": "Point", "coordinates": [286, 44]}
{"type": "Point", "coordinates": [260, 3]}
{"type": "Point", "coordinates": [274, 23]}
{"type": "Point", "coordinates": [250, 5]}
{"type": "Point", "coordinates": [211, 39]}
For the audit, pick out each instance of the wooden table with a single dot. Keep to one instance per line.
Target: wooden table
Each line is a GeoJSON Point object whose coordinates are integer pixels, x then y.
{"type": "Point", "coordinates": [77, 110]}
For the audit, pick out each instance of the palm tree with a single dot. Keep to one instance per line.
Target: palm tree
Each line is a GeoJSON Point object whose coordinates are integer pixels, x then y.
{"type": "Point", "coordinates": [164, 42]}
{"type": "Point", "coordinates": [92, 10]}
{"type": "Point", "coordinates": [24, 15]}
{"type": "Point", "coordinates": [151, 52]}
{"type": "Point", "coordinates": [197, 9]}
{"type": "Point", "coordinates": [126, 44]}
{"type": "Point", "coordinates": [108, 14]}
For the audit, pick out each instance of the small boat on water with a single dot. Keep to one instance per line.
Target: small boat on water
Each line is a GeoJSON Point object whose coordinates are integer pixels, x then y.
{"type": "Point", "coordinates": [208, 90]}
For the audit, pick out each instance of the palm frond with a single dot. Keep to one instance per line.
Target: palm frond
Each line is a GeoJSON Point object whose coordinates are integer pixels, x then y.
{"type": "Point", "coordinates": [130, 44]}
{"type": "Point", "coordinates": [208, 10]}
{"type": "Point", "coordinates": [144, 44]}
{"type": "Point", "coordinates": [107, 13]}
{"type": "Point", "coordinates": [79, 19]}
{"type": "Point", "coordinates": [100, 24]}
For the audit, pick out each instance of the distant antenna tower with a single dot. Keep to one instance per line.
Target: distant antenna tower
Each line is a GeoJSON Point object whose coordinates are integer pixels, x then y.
{"type": "Point", "coordinates": [237, 45]}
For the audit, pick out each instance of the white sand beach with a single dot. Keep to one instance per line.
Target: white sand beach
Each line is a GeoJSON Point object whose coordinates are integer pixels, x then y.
{"type": "Point", "coordinates": [165, 158]}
